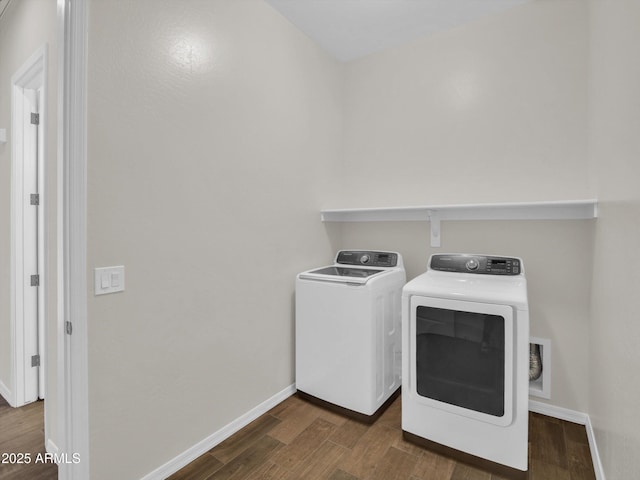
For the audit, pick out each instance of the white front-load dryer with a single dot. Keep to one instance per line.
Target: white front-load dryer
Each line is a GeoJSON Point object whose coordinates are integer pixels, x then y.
{"type": "Point", "coordinates": [465, 344]}
{"type": "Point", "coordinates": [348, 345]}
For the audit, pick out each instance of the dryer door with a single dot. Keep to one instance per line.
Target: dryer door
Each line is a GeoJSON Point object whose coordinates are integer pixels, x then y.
{"type": "Point", "coordinates": [461, 357]}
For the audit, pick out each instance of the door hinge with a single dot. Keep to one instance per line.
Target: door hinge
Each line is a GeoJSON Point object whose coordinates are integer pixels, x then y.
{"type": "Point", "coordinates": [68, 327]}
{"type": "Point", "coordinates": [35, 361]}
{"type": "Point", "coordinates": [35, 199]}
{"type": "Point", "coordinates": [35, 119]}
{"type": "Point", "coordinates": [35, 280]}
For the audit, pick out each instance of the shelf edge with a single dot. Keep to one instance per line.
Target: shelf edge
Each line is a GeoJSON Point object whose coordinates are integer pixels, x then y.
{"type": "Point", "coordinates": [552, 210]}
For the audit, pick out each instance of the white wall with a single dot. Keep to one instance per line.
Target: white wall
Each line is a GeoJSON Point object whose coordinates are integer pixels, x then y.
{"type": "Point", "coordinates": [615, 159]}
{"type": "Point", "coordinates": [492, 111]}
{"type": "Point", "coordinates": [214, 131]}
{"type": "Point", "coordinates": [25, 27]}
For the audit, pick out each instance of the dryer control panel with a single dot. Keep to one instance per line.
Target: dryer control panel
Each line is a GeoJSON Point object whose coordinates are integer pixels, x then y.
{"type": "Point", "coordinates": [480, 264]}
{"type": "Point", "coordinates": [369, 258]}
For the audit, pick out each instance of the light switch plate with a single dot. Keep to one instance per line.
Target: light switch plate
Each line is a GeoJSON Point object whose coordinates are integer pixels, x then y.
{"type": "Point", "coordinates": [109, 280]}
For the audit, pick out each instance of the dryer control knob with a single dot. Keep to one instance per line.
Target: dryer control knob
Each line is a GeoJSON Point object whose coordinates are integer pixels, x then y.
{"type": "Point", "coordinates": [472, 264]}
{"type": "Point", "coordinates": [365, 259]}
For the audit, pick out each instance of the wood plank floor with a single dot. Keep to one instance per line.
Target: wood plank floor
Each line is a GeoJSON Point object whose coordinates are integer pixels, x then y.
{"type": "Point", "coordinates": [22, 432]}
{"type": "Point", "coordinates": [297, 440]}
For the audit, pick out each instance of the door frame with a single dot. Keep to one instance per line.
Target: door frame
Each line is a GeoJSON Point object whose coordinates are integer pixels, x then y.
{"type": "Point", "coordinates": [31, 76]}
{"type": "Point", "coordinates": [72, 367]}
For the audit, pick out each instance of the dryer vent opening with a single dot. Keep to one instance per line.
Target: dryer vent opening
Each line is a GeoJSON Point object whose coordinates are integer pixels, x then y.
{"type": "Point", "coordinates": [535, 361]}
{"type": "Point", "coordinates": [540, 367]}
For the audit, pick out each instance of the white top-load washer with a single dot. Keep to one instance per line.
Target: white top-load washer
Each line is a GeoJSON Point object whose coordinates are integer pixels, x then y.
{"type": "Point", "coordinates": [465, 341]}
{"type": "Point", "coordinates": [348, 344]}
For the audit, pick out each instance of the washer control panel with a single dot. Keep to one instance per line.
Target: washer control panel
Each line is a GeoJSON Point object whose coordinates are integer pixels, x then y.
{"type": "Point", "coordinates": [372, 259]}
{"type": "Point", "coordinates": [481, 264]}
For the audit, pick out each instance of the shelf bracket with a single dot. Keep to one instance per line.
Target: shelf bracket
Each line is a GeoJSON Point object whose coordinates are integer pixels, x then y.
{"type": "Point", "coordinates": [434, 220]}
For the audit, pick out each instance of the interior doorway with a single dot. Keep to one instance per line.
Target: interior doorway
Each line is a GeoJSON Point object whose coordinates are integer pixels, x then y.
{"type": "Point", "coordinates": [28, 227]}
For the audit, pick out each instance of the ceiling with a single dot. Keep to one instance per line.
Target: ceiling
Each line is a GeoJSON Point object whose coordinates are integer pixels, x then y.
{"type": "Point", "coordinates": [350, 29]}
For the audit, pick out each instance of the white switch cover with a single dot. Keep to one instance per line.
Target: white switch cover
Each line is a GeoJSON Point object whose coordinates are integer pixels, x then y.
{"type": "Point", "coordinates": [109, 280]}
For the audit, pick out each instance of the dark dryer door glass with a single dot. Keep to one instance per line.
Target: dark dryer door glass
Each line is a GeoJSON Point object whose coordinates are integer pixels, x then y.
{"type": "Point", "coordinates": [460, 359]}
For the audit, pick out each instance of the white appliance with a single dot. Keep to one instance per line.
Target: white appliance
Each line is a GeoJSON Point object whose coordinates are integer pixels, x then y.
{"type": "Point", "coordinates": [465, 343]}
{"type": "Point", "coordinates": [348, 317]}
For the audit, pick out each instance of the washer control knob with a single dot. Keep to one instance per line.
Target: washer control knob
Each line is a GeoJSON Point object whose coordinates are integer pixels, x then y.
{"type": "Point", "coordinates": [472, 264]}
{"type": "Point", "coordinates": [365, 258]}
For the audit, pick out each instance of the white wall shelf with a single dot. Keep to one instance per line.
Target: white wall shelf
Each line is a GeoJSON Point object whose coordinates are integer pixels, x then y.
{"type": "Point", "coordinates": [559, 210]}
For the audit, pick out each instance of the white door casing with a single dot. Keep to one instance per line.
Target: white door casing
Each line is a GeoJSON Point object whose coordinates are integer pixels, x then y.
{"type": "Point", "coordinates": [72, 361]}
{"type": "Point", "coordinates": [27, 228]}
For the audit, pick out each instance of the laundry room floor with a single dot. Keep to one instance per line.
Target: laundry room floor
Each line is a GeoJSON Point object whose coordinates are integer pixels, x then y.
{"type": "Point", "coordinates": [298, 440]}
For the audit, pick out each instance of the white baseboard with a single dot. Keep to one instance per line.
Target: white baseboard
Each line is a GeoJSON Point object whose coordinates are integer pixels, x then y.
{"type": "Point", "coordinates": [215, 438]}
{"type": "Point", "coordinates": [51, 447]}
{"type": "Point", "coordinates": [595, 454]}
{"type": "Point", "coordinates": [6, 394]}
{"type": "Point", "coordinates": [575, 417]}
{"type": "Point", "coordinates": [558, 412]}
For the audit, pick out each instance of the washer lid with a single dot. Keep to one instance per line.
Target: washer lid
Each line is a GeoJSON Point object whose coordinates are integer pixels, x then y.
{"type": "Point", "coordinates": [341, 274]}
